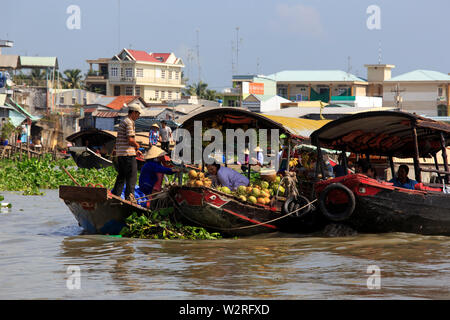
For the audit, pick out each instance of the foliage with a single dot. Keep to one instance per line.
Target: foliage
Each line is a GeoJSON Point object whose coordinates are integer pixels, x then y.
{"type": "Point", "coordinates": [73, 78]}
{"type": "Point", "coordinates": [159, 226]}
{"type": "Point", "coordinates": [201, 90]}
{"type": "Point", "coordinates": [7, 129]}
{"type": "Point", "coordinates": [31, 175]}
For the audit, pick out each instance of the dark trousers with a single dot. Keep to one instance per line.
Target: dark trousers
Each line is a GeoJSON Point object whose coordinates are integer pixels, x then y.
{"type": "Point", "coordinates": [127, 174]}
{"type": "Point", "coordinates": [165, 146]}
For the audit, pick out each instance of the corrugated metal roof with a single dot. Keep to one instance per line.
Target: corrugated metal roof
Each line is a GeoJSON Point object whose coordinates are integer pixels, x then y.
{"type": "Point", "coordinates": [36, 62]}
{"type": "Point", "coordinates": [314, 76]}
{"type": "Point", "coordinates": [9, 61]}
{"type": "Point", "coordinates": [301, 127]}
{"type": "Point", "coordinates": [421, 75]}
{"type": "Point", "coordinates": [105, 114]}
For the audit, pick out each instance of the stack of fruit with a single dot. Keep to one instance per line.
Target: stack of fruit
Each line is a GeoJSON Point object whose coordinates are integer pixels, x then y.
{"type": "Point", "coordinates": [198, 179]}
{"type": "Point", "coordinates": [293, 162]}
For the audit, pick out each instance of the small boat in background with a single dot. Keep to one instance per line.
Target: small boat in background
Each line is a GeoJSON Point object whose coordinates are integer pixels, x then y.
{"type": "Point", "coordinates": [93, 148]}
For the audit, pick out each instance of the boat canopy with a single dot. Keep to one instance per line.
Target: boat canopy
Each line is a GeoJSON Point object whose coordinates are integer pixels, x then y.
{"type": "Point", "coordinates": [93, 136]}
{"type": "Point", "coordinates": [385, 133]}
{"type": "Point", "coordinates": [294, 127]}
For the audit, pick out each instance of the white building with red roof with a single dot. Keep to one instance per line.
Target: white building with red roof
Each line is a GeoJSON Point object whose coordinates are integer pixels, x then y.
{"type": "Point", "coordinates": [156, 77]}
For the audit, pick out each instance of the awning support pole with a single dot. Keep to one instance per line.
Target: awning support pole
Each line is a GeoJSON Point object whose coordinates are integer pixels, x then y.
{"type": "Point", "coordinates": [416, 154]}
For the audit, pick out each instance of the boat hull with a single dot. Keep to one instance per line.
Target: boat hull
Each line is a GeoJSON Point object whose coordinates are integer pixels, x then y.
{"type": "Point", "coordinates": [98, 211]}
{"type": "Point", "coordinates": [380, 207]}
{"type": "Point", "coordinates": [218, 212]}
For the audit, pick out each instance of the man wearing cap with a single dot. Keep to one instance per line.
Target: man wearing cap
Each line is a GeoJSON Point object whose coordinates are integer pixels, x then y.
{"type": "Point", "coordinates": [126, 150]}
{"type": "Point", "coordinates": [153, 171]}
{"type": "Point", "coordinates": [153, 136]}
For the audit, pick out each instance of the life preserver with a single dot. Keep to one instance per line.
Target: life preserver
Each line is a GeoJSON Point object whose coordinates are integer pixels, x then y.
{"type": "Point", "coordinates": [350, 205]}
{"type": "Point", "coordinates": [295, 203]}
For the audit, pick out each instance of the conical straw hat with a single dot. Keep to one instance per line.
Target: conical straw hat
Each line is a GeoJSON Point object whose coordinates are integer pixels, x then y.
{"type": "Point", "coordinates": [154, 152]}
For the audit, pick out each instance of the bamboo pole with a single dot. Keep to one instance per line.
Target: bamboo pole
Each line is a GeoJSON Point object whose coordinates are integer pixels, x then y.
{"type": "Point", "coordinates": [416, 154]}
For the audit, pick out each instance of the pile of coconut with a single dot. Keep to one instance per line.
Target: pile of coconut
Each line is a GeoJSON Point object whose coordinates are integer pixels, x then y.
{"type": "Point", "coordinates": [198, 179]}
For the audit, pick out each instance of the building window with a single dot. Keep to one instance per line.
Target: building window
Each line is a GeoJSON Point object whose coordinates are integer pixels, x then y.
{"type": "Point", "coordinates": [128, 91]}
{"type": "Point", "coordinates": [84, 101]}
{"type": "Point", "coordinates": [170, 75]}
{"type": "Point", "coordinates": [177, 75]}
{"type": "Point", "coordinates": [169, 96]}
{"type": "Point", "coordinates": [128, 72]}
{"type": "Point", "coordinates": [61, 100]}
{"type": "Point", "coordinates": [163, 94]}
{"type": "Point", "coordinates": [137, 91]}
{"type": "Point", "coordinates": [140, 73]}
{"type": "Point", "coordinates": [74, 100]}
{"type": "Point", "coordinates": [114, 72]}
{"type": "Point", "coordinates": [440, 92]}
{"type": "Point", "coordinates": [163, 74]}
{"type": "Point", "coordinates": [156, 94]}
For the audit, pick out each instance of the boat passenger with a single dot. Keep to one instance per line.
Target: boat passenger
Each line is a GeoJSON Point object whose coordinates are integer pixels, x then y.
{"type": "Point", "coordinates": [227, 177]}
{"type": "Point", "coordinates": [166, 135]}
{"type": "Point", "coordinates": [364, 167]}
{"type": "Point", "coordinates": [402, 179]}
{"type": "Point", "coordinates": [153, 135]}
{"type": "Point", "coordinates": [153, 171]}
{"type": "Point", "coordinates": [127, 149]}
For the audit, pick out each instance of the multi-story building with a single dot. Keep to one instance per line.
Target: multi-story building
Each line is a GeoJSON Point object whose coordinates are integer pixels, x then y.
{"type": "Point", "coordinates": [424, 92]}
{"type": "Point", "coordinates": [156, 77]}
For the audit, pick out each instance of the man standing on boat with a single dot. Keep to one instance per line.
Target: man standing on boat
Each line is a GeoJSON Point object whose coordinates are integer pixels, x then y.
{"type": "Point", "coordinates": [166, 135]}
{"type": "Point", "coordinates": [126, 151]}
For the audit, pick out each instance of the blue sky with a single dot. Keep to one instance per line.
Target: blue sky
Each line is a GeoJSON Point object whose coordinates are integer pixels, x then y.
{"type": "Point", "coordinates": [274, 35]}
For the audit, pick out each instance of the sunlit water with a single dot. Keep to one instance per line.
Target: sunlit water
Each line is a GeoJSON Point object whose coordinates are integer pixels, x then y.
{"type": "Point", "coordinates": [40, 240]}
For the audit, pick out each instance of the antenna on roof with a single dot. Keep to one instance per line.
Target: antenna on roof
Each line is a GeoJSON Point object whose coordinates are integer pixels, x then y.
{"type": "Point", "coordinates": [379, 52]}
{"type": "Point", "coordinates": [198, 56]}
{"type": "Point", "coordinates": [118, 26]}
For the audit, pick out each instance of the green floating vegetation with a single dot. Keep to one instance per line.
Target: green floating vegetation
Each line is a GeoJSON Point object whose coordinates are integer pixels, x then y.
{"type": "Point", "coordinates": [32, 175]}
{"type": "Point", "coordinates": [2, 198]}
{"type": "Point", "coordinates": [159, 226]}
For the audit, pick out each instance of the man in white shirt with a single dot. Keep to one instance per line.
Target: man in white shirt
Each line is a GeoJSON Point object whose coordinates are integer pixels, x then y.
{"type": "Point", "coordinates": [166, 135]}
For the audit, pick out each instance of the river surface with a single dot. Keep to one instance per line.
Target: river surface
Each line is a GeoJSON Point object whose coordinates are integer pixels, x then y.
{"type": "Point", "coordinates": [44, 255]}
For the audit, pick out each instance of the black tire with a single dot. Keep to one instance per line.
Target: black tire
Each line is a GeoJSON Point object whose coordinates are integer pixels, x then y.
{"type": "Point", "coordinates": [295, 203]}
{"type": "Point", "coordinates": [337, 216]}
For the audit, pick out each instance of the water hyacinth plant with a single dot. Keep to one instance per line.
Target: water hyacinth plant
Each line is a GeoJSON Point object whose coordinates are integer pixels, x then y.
{"type": "Point", "coordinates": [159, 226]}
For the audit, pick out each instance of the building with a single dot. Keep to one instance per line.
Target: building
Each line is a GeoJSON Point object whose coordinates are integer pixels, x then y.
{"type": "Point", "coordinates": [106, 111]}
{"type": "Point", "coordinates": [424, 92]}
{"type": "Point", "coordinates": [156, 77]}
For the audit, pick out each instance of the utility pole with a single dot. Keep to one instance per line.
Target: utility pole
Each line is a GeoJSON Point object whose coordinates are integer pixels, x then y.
{"type": "Point", "coordinates": [398, 98]}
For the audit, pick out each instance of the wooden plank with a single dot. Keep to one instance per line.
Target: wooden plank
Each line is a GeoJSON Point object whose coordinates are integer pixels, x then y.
{"type": "Point", "coordinates": [79, 194]}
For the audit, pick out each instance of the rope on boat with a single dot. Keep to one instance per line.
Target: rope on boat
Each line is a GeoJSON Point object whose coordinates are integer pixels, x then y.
{"type": "Point", "coordinates": [246, 227]}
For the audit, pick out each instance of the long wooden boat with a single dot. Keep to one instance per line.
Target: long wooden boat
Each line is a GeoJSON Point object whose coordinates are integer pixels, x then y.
{"type": "Point", "coordinates": [100, 212]}
{"type": "Point", "coordinates": [221, 212]}
{"type": "Point", "coordinates": [370, 205]}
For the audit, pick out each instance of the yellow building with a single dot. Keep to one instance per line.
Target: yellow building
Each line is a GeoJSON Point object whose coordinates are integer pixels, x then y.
{"type": "Point", "coordinates": [156, 77]}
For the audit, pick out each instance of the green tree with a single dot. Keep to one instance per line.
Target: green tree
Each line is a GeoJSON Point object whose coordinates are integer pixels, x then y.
{"type": "Point", "coordinates": [201, 90]}
{"type": "Point", "coordinates": [73, 78]}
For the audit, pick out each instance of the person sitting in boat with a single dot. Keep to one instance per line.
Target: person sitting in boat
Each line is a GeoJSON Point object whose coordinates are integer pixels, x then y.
{"type": "Point", "coordinates": [364, 167]}
{"type": "Point", "coordinates": [227, 177]}
{"type": "Point", "coordinates": [152, 173]}
{"type": "Point", "coordinates": [402, 179]}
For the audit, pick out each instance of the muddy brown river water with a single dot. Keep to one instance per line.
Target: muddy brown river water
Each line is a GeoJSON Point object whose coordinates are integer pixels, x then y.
{"type": "Point", "coordinates": [44, 255]}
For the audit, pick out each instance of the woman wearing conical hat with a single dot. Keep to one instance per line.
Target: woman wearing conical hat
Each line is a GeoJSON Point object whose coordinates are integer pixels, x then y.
{"type": "Point", "coordinates": [153, 171]}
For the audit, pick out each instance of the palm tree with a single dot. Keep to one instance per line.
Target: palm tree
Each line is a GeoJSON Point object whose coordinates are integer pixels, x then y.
{"type": "Point", "coordinates": [73, 78]}
{"type": "Point", "coordinates": [197, 89]}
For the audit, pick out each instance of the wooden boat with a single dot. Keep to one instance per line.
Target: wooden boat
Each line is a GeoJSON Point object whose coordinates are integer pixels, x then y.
{"type": "Point", "coordinates": [93, 148]}
{"type": "Point", "coordinates": [100, 212]}
{"type": "Point", "coordinates": [370, 205]}
{"type": "Point", "coordinates": [221, 212]}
